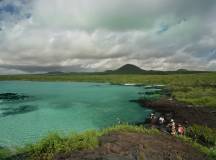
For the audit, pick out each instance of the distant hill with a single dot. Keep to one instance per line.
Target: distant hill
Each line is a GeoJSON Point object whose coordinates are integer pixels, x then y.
{"type": "Point", "coordinates": [182, 70]}
{"type": "Point", "coordinates": [133, 69]}
{"type": "Point", "coordinates": [127, 69]}
{"type": "Point", "coordinates": [55, 72]}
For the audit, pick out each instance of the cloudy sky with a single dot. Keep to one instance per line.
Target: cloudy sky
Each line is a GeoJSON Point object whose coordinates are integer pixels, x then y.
{"type": "Point", "coordinates": [96, 35]}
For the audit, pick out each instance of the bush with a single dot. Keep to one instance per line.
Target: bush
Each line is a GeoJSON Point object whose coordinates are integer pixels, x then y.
{"type": "Point", "coordinates": [54, 143]}
{"type": "Point", "coordinates": [4, 152]}
{"type": "Point", "coordinates": [86, 140]}
{"type": "Point", "coordinates": [210, 152]}
{"type": "Point", "coordinates": [202, 134]}
{"type": "Point", "coordinates": [46, 148]}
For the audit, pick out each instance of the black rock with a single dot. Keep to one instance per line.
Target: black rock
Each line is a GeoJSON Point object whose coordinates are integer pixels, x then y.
{"type": "Point", "coordinates": [12, 96]}
{"type": "Point", "coordinates": [19, 110]}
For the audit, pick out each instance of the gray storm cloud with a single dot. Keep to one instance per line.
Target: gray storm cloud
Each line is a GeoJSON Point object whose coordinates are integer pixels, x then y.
{"type": "Point", "coordinates": [72, 35]}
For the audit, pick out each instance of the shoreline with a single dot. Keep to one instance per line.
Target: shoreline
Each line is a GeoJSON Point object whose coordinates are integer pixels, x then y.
{"type": "Point", "coordinates": [181, 113]}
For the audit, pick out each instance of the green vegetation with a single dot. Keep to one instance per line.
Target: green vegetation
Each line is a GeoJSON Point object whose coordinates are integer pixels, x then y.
{"type": "Point", "coordinates": [195, 89]}
{"type": "Point", "coordinates": [202, 138]}
{"type": "Point", "coordinates": [204, 96]}
{"type": "Point", "coordinates": [4, 152]}
{"type": "Point", "coordinates": [209, 151]}
{"type": "Point", "coordinates": [54, 143]}
{"type": "Point", "coordinates": [203, 135]}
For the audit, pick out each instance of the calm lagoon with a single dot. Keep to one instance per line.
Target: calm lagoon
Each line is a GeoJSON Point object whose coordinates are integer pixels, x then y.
{"type": "Point", "coordinates": [63, 107]}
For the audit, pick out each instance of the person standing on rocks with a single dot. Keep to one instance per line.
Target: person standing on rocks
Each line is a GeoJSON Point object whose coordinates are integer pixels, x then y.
{"type": "Point", "coordinates": [153, 119]}
{"type": "Point", "coordinates": [161, 120]}
{"type": "Point", "coordinates": [180, 129]}
{"type": "Point", "coordinates": [172, 128]}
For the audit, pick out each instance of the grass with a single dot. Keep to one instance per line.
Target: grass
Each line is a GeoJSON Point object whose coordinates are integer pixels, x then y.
{"type": "Point", "coordinates": [195, 89]}
{"type": "Point", "coordinates": [209, 151]}
{"type": "Point", "coordinates": [203, 135]}
{"type": "Point", "coordinates": [56, 143]}
{"type": "Point", "coordinates": [202, 138]}
{"type": "Point", "coordinates": [4, 152]}
{"type": "Point", "coordinates": [197, 96]}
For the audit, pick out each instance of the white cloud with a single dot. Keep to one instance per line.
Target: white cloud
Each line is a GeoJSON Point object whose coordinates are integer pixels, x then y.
{"type": "Point", "coordinates": [72, 35]}
{"type": "Point", "coordinates": [4, 71]}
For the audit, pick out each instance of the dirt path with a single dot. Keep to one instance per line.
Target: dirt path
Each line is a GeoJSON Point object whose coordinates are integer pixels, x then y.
{"type": "Point", "coordinates": [134, 146]}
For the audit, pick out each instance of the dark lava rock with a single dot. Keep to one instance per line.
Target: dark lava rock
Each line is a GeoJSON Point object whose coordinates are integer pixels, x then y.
{"type": "Point", "coordinates": [136, 146]}
{"type": "Point", "coordinates": [182, 113]}
{"type": "Point", "coordinates": [19, 110]}
{"type": "Point", "coordinates": [12, 96]}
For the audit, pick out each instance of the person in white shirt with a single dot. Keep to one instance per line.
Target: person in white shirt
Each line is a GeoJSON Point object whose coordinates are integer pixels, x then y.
{"type": "Point", "coordinates": [161, 120]}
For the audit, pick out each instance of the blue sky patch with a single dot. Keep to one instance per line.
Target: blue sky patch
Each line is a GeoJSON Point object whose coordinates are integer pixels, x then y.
{"type": "Point", "coordinates": [9, 8]}
{"type": "Point", "coordinates": [163, 28]}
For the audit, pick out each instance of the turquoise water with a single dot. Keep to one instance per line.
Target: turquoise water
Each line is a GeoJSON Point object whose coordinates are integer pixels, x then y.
{"type": "Point", "coordinates": [64, 107]}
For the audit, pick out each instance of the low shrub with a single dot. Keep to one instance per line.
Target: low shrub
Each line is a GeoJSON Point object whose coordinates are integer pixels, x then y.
{"type": "Point", "coordinates": [210, 152]}
{"type": "Point", "coordinates": [45, 148]}
{"type": "Point", "coordinates": [54, 143]}
{"type": "Point", "coordinates": [4, 152]}
{"type": "Point", "coordinates": [202, 134]}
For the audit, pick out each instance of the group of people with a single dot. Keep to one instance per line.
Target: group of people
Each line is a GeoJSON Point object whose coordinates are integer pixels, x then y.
{"type": "Point", "coordinates": [168, 124]}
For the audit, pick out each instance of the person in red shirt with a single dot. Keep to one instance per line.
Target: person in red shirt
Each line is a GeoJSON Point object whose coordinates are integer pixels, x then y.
{"type": "Point", "coordinates": [180, 129]}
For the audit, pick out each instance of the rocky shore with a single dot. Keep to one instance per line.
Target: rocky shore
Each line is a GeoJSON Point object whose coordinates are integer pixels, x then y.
{"type": "Point", "coordinates": [182, 113]}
